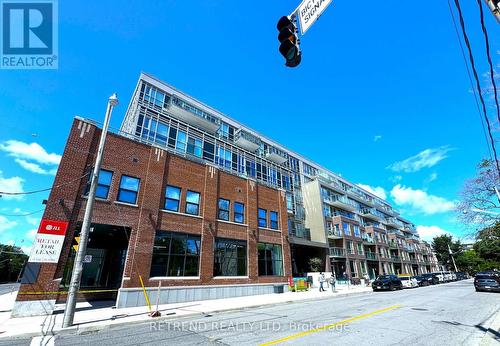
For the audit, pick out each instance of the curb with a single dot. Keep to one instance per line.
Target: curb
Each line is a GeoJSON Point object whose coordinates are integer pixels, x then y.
{"type": "Point", "coordinates": [489, 338]}
{"type": "Point", "coordinates": [77, 330]}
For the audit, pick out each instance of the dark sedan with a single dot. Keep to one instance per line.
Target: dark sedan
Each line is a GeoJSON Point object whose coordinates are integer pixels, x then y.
{"type": "Point", "coordinates": [487, 282]}
{"type": "Point", "coordinates": [432, 279]}
{"type": "Point", "coordinates": [422, 281]}
{"type": "Point", "coordinates": [387, 282]}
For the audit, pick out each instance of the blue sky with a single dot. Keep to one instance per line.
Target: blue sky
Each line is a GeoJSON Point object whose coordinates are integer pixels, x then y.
{"type": "Point", "coordinates": [381, 96]}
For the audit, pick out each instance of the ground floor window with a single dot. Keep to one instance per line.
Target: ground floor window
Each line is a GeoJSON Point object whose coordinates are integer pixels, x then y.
{"type": "Point", "coordinates": [230, 257]}
{"type": "Point", "coordinates": [175, 254]}
{"type": "Point", "coordinates": [352, 266]}
{"type": "Point", "coordinates": [270, 259]}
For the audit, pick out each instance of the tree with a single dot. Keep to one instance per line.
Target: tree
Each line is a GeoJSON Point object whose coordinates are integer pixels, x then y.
{"type": "Point", "coordinates": [470, 262]}
{"type": "Point", "coordinates": [479, 194]}
{"type": "Point", "coordinates": [440, 246]}
{"type": "Point", "coordinates": [488, 243]}
{"type": "Point", "coordinates": [12, 260]}
{"type": "Point", "coordinates": [315, 264]}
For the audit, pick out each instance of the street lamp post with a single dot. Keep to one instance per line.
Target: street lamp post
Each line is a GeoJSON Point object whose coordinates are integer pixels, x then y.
{"type": "Point", "coordinates": [76, 275]}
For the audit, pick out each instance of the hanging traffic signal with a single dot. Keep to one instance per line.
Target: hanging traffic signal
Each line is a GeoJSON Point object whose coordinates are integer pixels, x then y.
{"type": "Point", "coordinates": [289, 41]}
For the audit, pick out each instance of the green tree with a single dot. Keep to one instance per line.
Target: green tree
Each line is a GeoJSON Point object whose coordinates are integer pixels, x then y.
{"type": "Point", "coordinates": [315, 264]}
{"type": "Point", "coordinates": [12, 260]}
{"type": "Point", "coordinates": [470, 262]}
{"type": "Point", "coordinates": [440, 246]}
{"type": "Point", "coordinates": [488, 243]}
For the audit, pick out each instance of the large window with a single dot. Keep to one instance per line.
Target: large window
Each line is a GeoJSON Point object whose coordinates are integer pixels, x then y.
{"type": "Point", "coordinates": [273, 219]}
{"type": "Point", "coordinates": [192, 203]}
{"type": "Point", "coordinates": [194, 146]}
{"type": "Point", "coordinates": [270, 259]}
{"type": "Point", "coordinates": [175, 254]}
{"type": "Point", "coordinates": [230, 257]}
{"type": "Point", "coordinates": [223, 212]}
{"type": "Point", "coordinates": [172, 198]}
{"type": "Point", "coordinates": [181, 141]}
{"type": "Point", "coordinates": [262, 217]}
{"type": "Point", "coordinates": [103, 184]}
{"type": "Point", "coordinates": [239, 212]}
{"type": "Point", "coordinates": [346, 228]}
{"type": "Point", "coordinates": [129, 187]}
{"type": "Point", "coordinates": [356, 231]}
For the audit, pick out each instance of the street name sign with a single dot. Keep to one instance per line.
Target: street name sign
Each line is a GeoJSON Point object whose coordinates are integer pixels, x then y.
{"type": "Point", "coordinates": [309, 11]}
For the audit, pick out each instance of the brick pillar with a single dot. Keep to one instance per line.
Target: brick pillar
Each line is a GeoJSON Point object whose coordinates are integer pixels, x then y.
{"type": "Point", "coordinates": [209, 232]}
{"type": "Point", "coordinates": [252, 230]}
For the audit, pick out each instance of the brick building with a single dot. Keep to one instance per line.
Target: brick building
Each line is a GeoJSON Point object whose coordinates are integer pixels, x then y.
{"type": "Point", "coordinates": [193, 200]}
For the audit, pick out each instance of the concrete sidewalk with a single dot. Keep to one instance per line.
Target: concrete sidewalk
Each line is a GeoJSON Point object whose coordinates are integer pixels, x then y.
{"type": "Point", "coordinates": [95, 316]}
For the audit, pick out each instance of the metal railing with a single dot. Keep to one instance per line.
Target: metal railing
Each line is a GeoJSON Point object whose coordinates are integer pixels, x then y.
{"type": "Point", "coordinates": [337, 252]}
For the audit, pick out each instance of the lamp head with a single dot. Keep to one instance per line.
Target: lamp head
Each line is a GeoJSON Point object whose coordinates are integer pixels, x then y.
{"type": "Point", "coordinates": [113, 100]}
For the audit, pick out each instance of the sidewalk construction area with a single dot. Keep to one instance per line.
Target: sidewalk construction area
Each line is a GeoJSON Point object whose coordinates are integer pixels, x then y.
{"type": "Point", "coordinates": [99, 315]}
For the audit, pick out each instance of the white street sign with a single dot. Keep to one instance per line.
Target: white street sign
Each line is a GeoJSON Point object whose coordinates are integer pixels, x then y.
{"type": "Point", "coordinates": [48, 241]}
{"type": "Point", "coordinates": [309, 11]}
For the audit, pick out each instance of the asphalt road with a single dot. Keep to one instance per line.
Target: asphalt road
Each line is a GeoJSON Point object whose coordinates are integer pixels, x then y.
{"type": "Point", "coordinates": [7, 288]}
{"type": "Point", "coordinates": [449, 314]}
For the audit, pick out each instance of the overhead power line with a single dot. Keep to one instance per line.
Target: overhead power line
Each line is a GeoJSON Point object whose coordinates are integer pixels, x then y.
{"type": "Point", "coordinates": [488, 54]}
{"type": "Point", "coordinates": [42, 190]}
{"type": "Point", "coordinates": [478, 83]}
{"type": "Point", "coordinates": [26, 214]}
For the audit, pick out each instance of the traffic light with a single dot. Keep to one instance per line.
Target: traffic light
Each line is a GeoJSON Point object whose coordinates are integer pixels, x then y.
{"type": "Point", "coordinates": [289, 41]}
{"type": "Point", "coordinates": [75, 246]}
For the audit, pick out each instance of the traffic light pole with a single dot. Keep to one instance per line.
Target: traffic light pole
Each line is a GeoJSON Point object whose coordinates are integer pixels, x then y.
{"type": "Point", "coordinates": [74, 286]}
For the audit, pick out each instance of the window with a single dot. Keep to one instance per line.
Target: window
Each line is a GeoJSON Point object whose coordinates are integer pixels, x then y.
{"type": "Point", "coordinates": [354, 272]}
{"type": "Point", "coordinates": [273, 219]}
{"type": "Point", "coordinates": [172, 198]}
{"type": "Point", "coordinates": [289, 201]}
{"type": "Point", "coordinates": [270, 259]}
{"type": "Point", "coordinates": [194, 146]}
{"type": "Point", "coordinates": [103, 184]}
{"type": "Point", "coordinates": [239, 212]}
{"type": "Point", "coordinates": [230, 257]}
{"type": "Point", "coordinates": [223, 213]}
{"type": "Point", "coordinates": [129, 187]}
{"type": "Point", "coordinates": [356, 231]}
{"type": "Point", "coordinates": [345, 227]}
{"type": "Point", "coordinates": [175, 254]}
{"type": "Point", "coordinates": [262, 217]}
{"type": "Point", "coordinates": [180, 144]}
{"type": "Point", "coordinates": [192, 202]}
{"type": "Point", "coordinates": [360, 248]}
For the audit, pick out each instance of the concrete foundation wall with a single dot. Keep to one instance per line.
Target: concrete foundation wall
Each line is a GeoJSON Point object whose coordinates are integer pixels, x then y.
{"type": "Point", "coordinates": [131, 297]}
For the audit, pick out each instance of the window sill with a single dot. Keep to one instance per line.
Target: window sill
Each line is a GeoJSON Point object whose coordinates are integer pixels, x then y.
{"type": "Point", "coordinates": [182, 214]}
{"type": "Point", "coordinates": [270, 229]}
{"type": "Point", "coordinates": [233, 223]}
{"type": "Point", "coordinates": [126, 204]}
{"type": "Point", "coordinates": [230, 277]}
{"type": "Point", "coordinates": [157, 278]}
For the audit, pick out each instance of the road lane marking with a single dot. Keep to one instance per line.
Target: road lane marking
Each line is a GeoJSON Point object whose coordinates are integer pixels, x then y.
{"type": "Point", "coordinates": [319, 329]}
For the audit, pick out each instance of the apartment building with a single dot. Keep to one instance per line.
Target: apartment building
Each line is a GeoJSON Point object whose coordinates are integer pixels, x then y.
{"type": "Point", "coordinates": [192, 200]}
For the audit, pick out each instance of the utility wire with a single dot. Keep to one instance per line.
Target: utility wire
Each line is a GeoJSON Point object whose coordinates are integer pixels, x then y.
{"type": "Point", "coordinates": [42, 190]}
{"type": "Point", "coordinates": [478, 84]}
{"type": "Point", "coordinates": [27, 214]}
{"type": "Point", "coordinates": [470, 79]}
{"type": "Point", "coordinates": [488, 54]}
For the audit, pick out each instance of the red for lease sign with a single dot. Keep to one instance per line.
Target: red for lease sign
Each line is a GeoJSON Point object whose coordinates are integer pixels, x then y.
{"type": "Point", "coordinates": [52, 227]}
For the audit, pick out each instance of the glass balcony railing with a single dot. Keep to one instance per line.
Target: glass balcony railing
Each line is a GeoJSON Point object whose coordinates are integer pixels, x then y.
{"type": "Point", "coordinates": [396, 258]}
{"type": "Point", "coordinates": [334, 233]}
{"type": "Point", "coordinates": [246, 140]}
{"type": "Point", "coordinates": [337, 252]}
{"type": "Point", "coordinates": [371, 256]}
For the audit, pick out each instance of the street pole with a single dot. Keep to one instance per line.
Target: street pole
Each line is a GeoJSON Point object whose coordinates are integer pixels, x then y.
{"type": "Point", "coordinates": [76, 275]}
{"type": "Point", "coordinates": [452, 258]}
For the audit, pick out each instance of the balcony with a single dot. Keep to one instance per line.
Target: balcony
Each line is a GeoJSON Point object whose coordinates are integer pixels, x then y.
{"type": "Point", "coordinates": [334, 234]}
{"type": "Point", "coordinates": [194, 116]}
{"type": "Point", "coordinates": [393, 245]}
{"type": "Point", "coordinates": [413, 261]}
{"type": "Point", "coordinates": [337, 252]}
{"type": "Point", "coordinates": [368, 240]}
{"type": "Point", "coordinates": [351, 251]}
{"type": "Point", "coordinates": [371, 256]}
{"type": "Point", "coordinates": [275, 155]}
{"type": "Point", "coordinates": [396, 258]}
{"type": "Point", "coordinates": [246, 140]}
{"type": "Point", "coordinates": [393, 222]}
{"type": "Point", "coordinates": [372, 214]}
{"type": "Point", "coordinates": [341, 202]}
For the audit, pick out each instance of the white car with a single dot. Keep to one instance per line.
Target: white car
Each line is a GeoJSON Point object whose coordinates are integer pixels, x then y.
{"type": "Point", "coordinates": [408, 281]}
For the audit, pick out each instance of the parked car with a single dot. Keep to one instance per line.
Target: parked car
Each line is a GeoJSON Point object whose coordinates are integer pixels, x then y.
{"type": "Point", "coordinates": [421, 280]}
{"type": "Point", "coordinates": [461, 276]}
{"type": "Point", "coordinates": [487, 282]}
{"type": "Point", "coordinates": [439, 276]}
{"type": "Point", "coordinates": [431, 278]}
{"type": "Point", "coordinates": [408, 281]}
{"type": "Point", "coordinates": [387, 282]}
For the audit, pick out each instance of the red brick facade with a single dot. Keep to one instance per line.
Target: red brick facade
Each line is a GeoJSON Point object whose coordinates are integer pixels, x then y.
{"type": "Point", "coordinates": [156, 168]}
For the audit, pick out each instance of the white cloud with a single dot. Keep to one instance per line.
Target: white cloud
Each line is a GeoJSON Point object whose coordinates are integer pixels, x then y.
{"type": "Point", "coordinates": [26, 249]}
{"type": "Point", "coordinates": [377, 137]}
{"type": "Point", "coordinates": [13, 184]}
{"type": "Point", "coordinates": [34, 167]}
{"type": "Point", "coordinates": [420, 201]}
{"type": "Point", "coordinates": [34, 221]}
{"type": "Point", "coordinates": [31, 234]}
{"type": "Point", "coordinates": [10, 242]}
{"type": "Point", "coordinates": [429, 232]}
{"type": "Point", "coordinates": [396, 179]}
{"type": "Point", "coordinates": [376, 190]}
{"type": "Point", "coordinates": [432, 177]}
{"type": "Point", "coordinates": [32, 151]}
{"type": "Point", "coordinates": [6, 224]}
{"type": "Point", "coordinates": [426, 158]}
